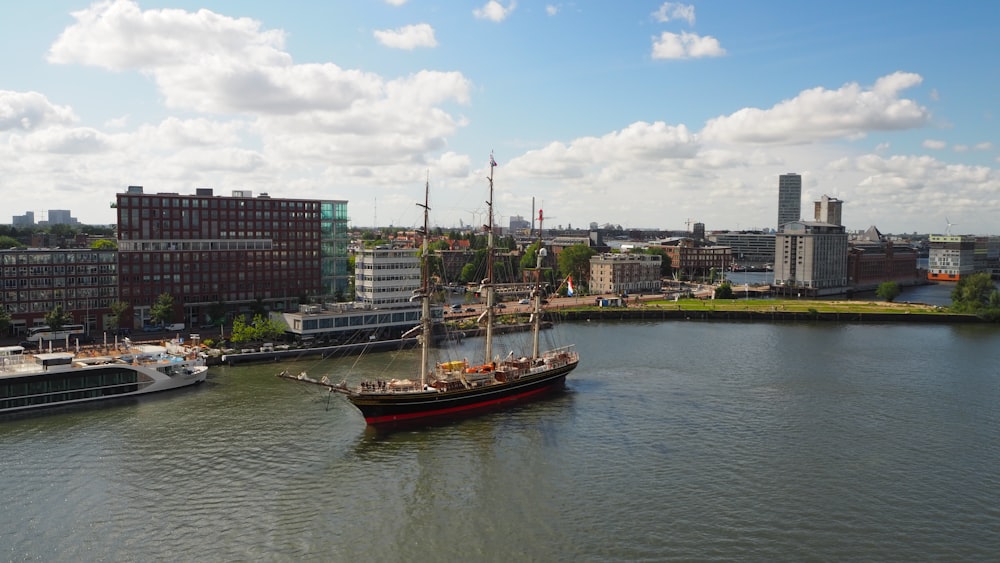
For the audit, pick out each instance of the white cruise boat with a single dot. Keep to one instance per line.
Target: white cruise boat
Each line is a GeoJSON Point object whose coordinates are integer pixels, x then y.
{"type": "Point", "coordinates": [33, 381]}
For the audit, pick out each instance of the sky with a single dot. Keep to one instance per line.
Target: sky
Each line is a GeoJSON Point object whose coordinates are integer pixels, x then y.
{"type": "Point", "coordinates": [637, 114]}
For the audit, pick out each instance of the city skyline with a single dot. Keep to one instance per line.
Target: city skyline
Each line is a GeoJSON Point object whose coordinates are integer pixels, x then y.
{"type": "Point", "coordinates": [647, 115]}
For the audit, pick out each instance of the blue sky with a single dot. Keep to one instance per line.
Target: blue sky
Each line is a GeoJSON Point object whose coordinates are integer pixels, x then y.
{"type": "Point", "coordinates": [639, 114]}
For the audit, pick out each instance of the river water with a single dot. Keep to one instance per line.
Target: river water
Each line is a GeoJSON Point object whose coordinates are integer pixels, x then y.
{"type": "Point", "coordinates": [680, 440]}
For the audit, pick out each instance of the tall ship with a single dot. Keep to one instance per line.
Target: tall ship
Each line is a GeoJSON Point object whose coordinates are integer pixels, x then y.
{"type": "Point", "coordinates": [40, 380]}
{"type": "Point", "coordinates": [458, 387]}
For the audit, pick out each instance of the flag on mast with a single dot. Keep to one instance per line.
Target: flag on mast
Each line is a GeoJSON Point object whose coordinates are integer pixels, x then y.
{"type": "Point", "coordinates": [492, 162]}
{"type": "Point", "coordinates": [569, 286]}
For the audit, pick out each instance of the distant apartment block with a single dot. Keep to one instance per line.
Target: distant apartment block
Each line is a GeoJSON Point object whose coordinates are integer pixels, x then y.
{"type": "Point", "coordinates": [204, 249]}
{"type": "Point", "coordinates": [625, 273]}
{"type": "Point", "coordinates": [60, 217]}
{"type": "Point", "coordinates": [789, 198]}
{"type": "Point", "coordinates": [26, 220]}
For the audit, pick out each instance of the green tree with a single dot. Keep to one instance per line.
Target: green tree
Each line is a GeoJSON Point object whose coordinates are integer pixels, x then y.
{"type": "Point", "coordinates": [530, 258]}
{"type": "Point", "coordinates": [217, 313]}
{"type": "Point", "coordinates": [725, 291]}
{"type": "Point", "coordinates": [104, 244]}
{"type": "Point", "coordinates": [9, 242]}
{"type": "Point", "coordinates": [241, 331]}
{"type": "Point", "coordinates": [58, 318]}
{"type": "Point", "coordinates": [575, 261]}
{"type": "Point", "coordinates": [118, 310]}
{"type": "Point", "coordinates": [62, 230]}
{"type": "Point", "coordinates": [162, 309]}
{"type": "Point", "coordinates": [4, 319]}
{"type": "Point", "coordinates": [888, 290]}
{"type": "Point", "coordinates": [974, 294]}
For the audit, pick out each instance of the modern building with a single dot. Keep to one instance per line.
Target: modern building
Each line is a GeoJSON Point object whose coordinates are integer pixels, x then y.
{"type": "Point", "coordinates": [625, 273]}
{"type": "Point", "coordinates": [205, 250]}
{"type": "Point", "coordinates": [810, 259]}
{"type": "Point", "coordinates": [519, 225]}
{"type": "Point", "coordinates": [83, 281]}
{"type": "Point", "coordinates": [751, 250]}
{"type": "Point", "coordinates": [951, 257]}
{"type": "Point", "coordinates": [386, 278]}
{"type": "Point", "coordinates": [789, 198]}
{"type": "Point", "coordinates": [60, 217]}
{"type": "Point", "coordinates": [26, 220]}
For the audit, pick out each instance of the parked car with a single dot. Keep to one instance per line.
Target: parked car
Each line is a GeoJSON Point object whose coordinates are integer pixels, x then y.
{"type": "Point", "coordinates": [152, 328]}
{"type": "Point", "coordinates": [470, 309]}
{"type": "Point", "coordinates": [524, 302]}
{"type": "Point", "coordinates": [175, 326]}
{"type": "Point", "coordinates": [456, 307]}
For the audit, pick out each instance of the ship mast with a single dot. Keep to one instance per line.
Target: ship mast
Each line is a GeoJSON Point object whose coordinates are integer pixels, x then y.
{"type": "Point", "coordinates": [489, 267]}
{"type": "Point", "coordinates": [536, 316]}
{"type": "Point", "coordinates": [425, 293]}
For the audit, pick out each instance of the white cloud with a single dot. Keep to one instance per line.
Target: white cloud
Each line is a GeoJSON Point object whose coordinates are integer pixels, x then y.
{"type": "Point", "coordinates": [551, 9]}
{"type": "Point", "coordinates": [28, 111]}
{"type": "Point", "coordinates": [674, 11]}
{"type": "Point", "coordinates": [62, 141]}
{"type": "Point", "coordinates": [820, 114]}
{"type": "Point", "coordinates": [984, 146]}
{"type": "Point", "coordinates": [213, 64]}
{"type": "Point", "coordinates": [395, 2]}
{"type": "Point", "coordinates": [494, 11]}
{"type": "Point", "coordinates": [408, 37]}
{"type": "Point", "coordinates": [686, 46]}
{"type": "Point", "coordinates": [933, 144]}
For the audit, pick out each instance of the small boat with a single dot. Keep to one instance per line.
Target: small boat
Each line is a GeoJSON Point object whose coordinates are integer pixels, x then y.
{"type": "Point", "coordinates": [458, 387]}
{"type": "Point", "coordinates": [33, 381]}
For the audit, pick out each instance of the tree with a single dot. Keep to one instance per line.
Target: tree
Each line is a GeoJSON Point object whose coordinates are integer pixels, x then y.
{"type": "Point", "coordinates": [118, 309]}
{"type": "Point", "coordinates": [530, 258]}
{"type": "Point", "coordinates": [888, 290]}
{"type": "Point", "coordinates": [58, 318]}
{"type": "Point", "coordinates": [103, 244]}
{"type": "Point", "coordinates": [4, 319]}
{"type": "Point", "coordinates": [162, 309]}
{"type": "Point", "coordinates": [725, 291]}
{"type": "Point", "coordinates": [575, 261]}
{"type": "Point", "coordinates": [974, 294]}
{"type": "Point", "coordinates": [260, 328]}
{"type": "Point", "coordinates": [9, 242]}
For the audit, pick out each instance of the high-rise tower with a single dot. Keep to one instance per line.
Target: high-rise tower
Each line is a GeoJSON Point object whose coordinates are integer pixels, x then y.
{"type": "Point", "coordinates": [789, 199]}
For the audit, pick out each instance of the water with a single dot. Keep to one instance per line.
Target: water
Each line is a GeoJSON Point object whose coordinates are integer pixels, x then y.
{"type": "Point", "coordinates": [673, 440]}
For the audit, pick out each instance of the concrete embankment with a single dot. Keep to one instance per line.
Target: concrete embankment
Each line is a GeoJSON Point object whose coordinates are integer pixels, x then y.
{"type": "Point", "coordinates": [653, 313]}
{"type": "Point", "coordinates": [320, 351]}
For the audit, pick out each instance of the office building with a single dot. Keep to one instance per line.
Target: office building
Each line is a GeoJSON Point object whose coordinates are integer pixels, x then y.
{"type": "Point", "coordinates": [83, 282]}
{"type": "Point", "coordinates": [810, 259]}
{"type": "Point", "coordinates": [239, 251]}
{"type": "Point", "coordinates": [26, 220]}
{"type": "Point", "coordinates": [789, 198]}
